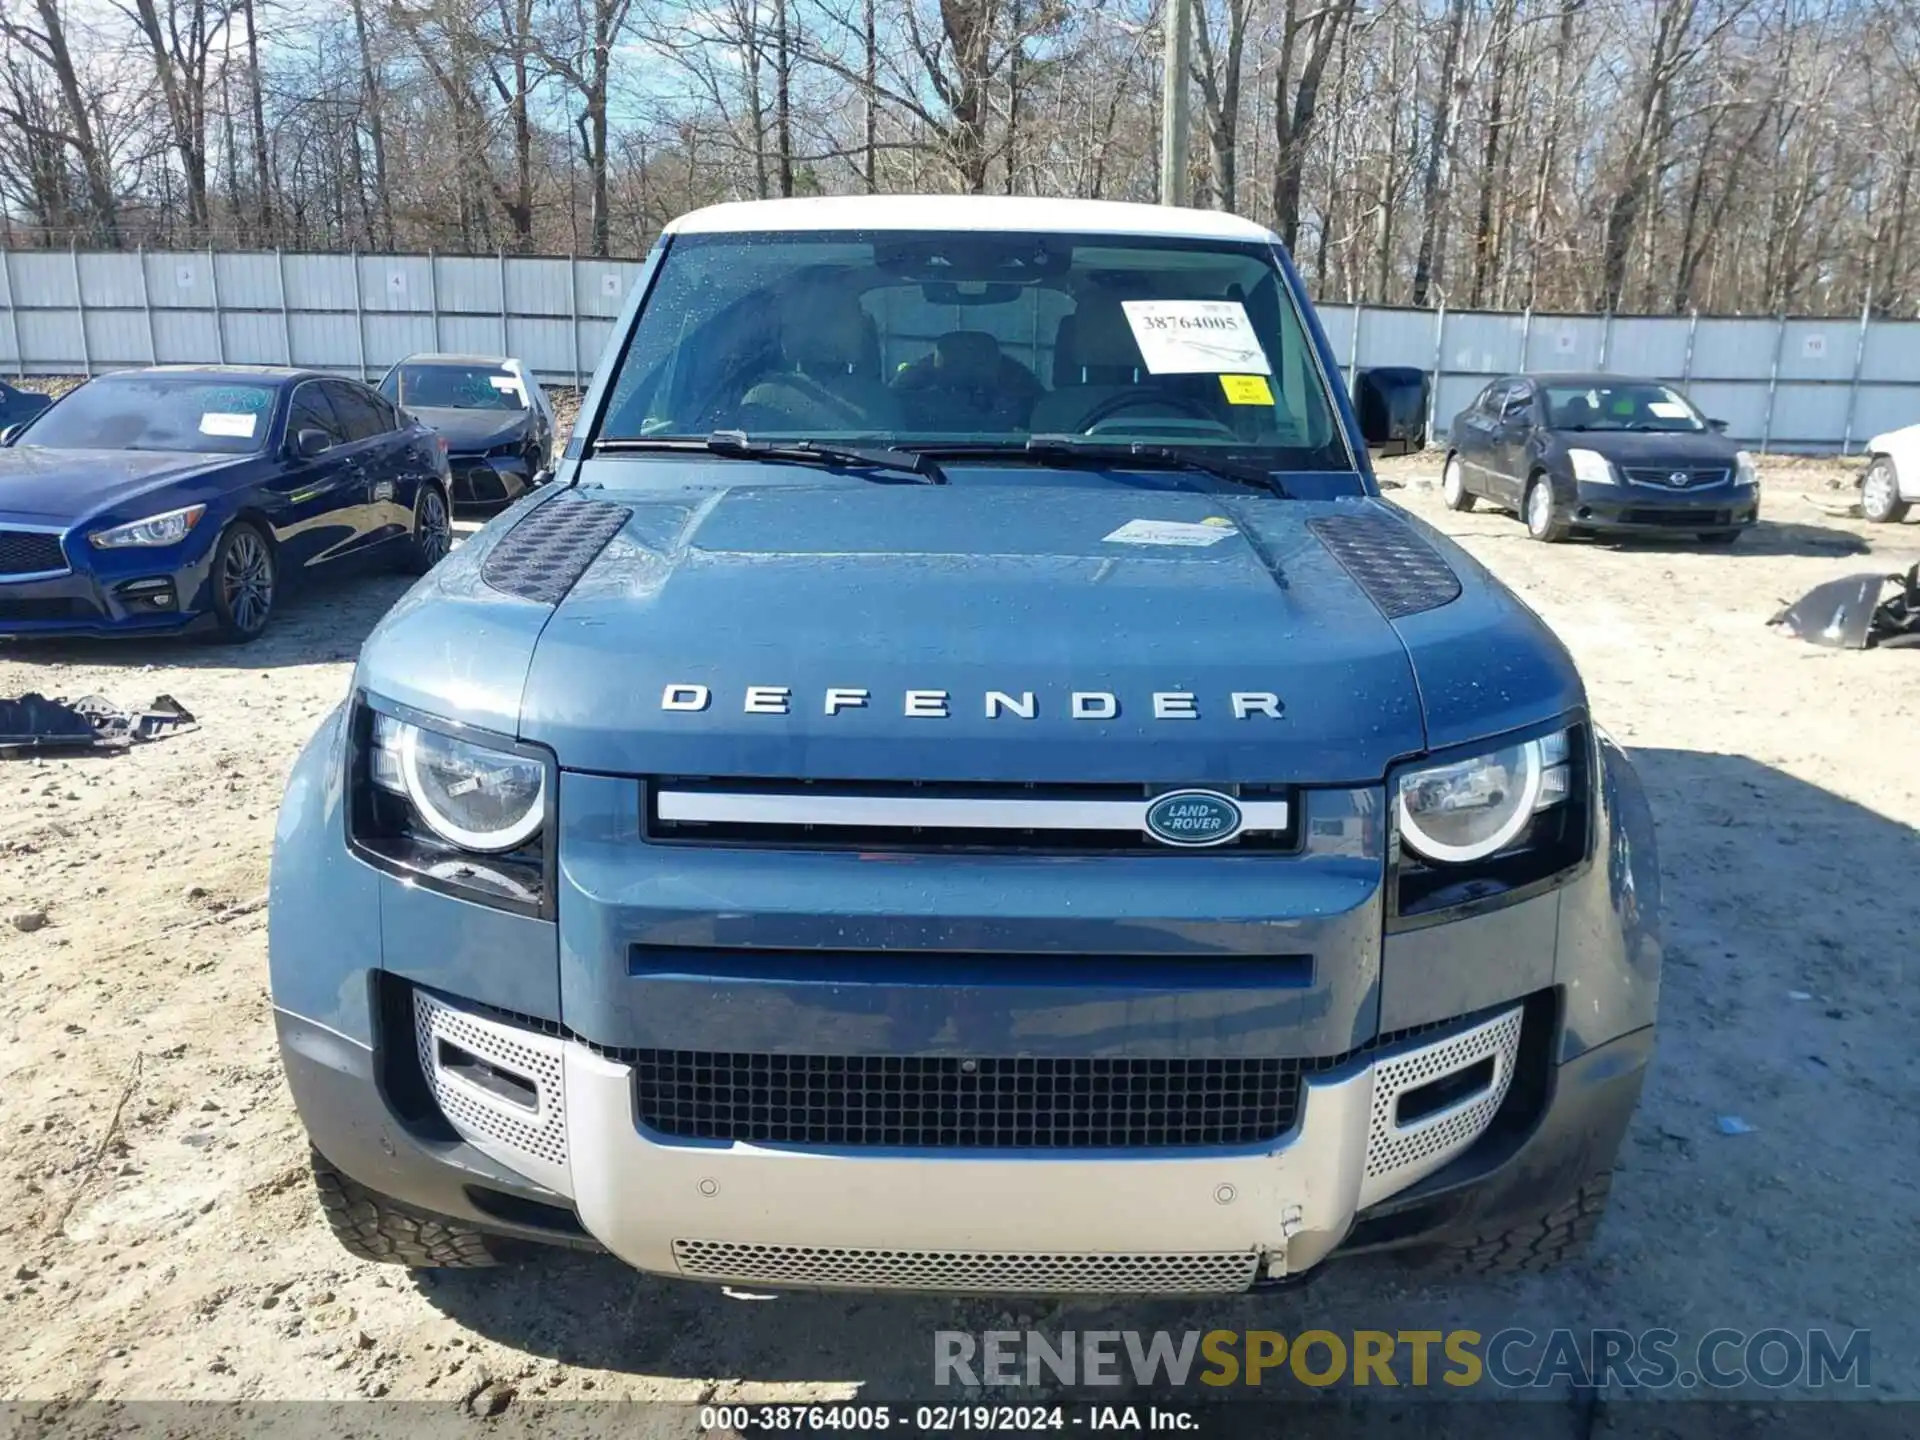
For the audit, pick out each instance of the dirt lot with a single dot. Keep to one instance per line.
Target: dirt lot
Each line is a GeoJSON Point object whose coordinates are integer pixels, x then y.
{"type": "Point", "coordinates": [159, 1237]}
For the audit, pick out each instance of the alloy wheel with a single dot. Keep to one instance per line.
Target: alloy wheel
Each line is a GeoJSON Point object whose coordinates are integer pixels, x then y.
{"type": "Point", "coordinates": [246, 580]}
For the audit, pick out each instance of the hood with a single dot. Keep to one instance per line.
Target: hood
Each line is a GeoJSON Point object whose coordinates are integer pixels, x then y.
{"type": "Point", "coordinates": [1649, 447]}
{"type": "Point", "coordinates": [471, 430]}
{"type": "Point", "coordinates": [1011, 590]}
{"type": "Point", "coordinates": [931, 600]}
{"type": "Point", "coordinates": [68, 485]}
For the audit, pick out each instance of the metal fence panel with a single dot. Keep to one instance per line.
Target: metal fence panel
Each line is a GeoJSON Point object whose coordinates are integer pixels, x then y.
{"type": "Point", "coordinates": [1885, 407]}
{"type": "Point", "coordinates": [1733, 349]}
{"type": "Point", "coordinates": [248, 282]}
{"type": "Point", "coordinates": [1649, 345]}
{"type": "Point", "coordinates": [319, 282]}
{"type": "Point", "coordinates": [44, 279]}
{"type": "Point", "coordinates": [1892, 353]}
{"type": "Point", "coordinates": [177, 280]}
{"type": "Point", "coordinates": [1566, 342]}
{"type": "Point", "coordinates": [1793, 384]}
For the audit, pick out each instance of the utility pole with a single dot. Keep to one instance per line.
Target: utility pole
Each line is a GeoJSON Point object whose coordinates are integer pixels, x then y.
{"type": "Point", "coordinates": [1175, 79]}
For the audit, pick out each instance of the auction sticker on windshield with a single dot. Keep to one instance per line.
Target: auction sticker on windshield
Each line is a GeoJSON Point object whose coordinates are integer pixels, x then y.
{"type": "Point", "coordinates": [217, 422]}
{"type": "Point", "coordinates": [1167, 532]}
{"type": "Point", "coordinates": [1196, 337]}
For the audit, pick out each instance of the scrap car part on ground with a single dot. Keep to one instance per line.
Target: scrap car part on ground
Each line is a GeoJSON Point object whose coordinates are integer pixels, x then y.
{"type": "Point", "coordinates": [1848, 614]}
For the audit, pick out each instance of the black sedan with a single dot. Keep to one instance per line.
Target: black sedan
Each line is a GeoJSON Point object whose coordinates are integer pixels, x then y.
{"type": "Point", "coordinates": [189, 497]}
{"type": "Point", "coordinates": [497, 421]}
{"type": "Point", "coordinates": [1601, 455]}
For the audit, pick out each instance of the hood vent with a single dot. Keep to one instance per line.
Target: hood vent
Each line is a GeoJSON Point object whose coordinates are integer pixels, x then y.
{"type": "Point", "coordinates": [549, 549]}
{"type": "Point", "coordinates": [1400, 573]}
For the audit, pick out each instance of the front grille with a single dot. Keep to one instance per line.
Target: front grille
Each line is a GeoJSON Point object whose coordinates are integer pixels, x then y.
{"type": "Point", "coordinates": [1679, 519]}
{"type": "Point", "coordinates": [977, 818]}
{"type": "Point", "coordinates": [30, 552]}
{"type": "Point", "coordinates": [1660, 477]}
{"type": "Point", "coordinates": [946, 1102]}
{"type": "Point", "coordinates": [1199, 1272]}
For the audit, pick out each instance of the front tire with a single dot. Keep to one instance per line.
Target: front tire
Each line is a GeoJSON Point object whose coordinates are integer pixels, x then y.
{"type": "Point", "coordinates": [1453, 486]}
{"type": "Point", "coordinates": [1541, 511]}
{"type": "Point", "coordinates": [432, 535]}
{"type": "Point", "coordinates": [1545, 1242]}
{"type": "Point", "coordinates": [372, 1227]}
{"type": "Point", "coordinates": [1880, 498]}
{"type": "Point", "coordinates": [244, 578]}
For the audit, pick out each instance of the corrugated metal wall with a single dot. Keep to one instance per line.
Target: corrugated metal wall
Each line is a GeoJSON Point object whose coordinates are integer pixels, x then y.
{"type": "Point", "coordinates": [1816, 385]}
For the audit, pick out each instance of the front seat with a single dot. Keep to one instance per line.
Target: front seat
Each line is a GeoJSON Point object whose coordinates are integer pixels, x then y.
{"type": "Point", "coordinates": [1577, 411]}
{"type": "Point", "coordinates": [1096, 362]}
{"type": "Point", "coordinates": [966, 383]}
{"type": "Point", "coordinates": [830, 375]}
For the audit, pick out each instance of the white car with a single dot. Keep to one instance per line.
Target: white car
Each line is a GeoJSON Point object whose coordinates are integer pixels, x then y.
{"type": "Point", "coordinates": [1892, 479]}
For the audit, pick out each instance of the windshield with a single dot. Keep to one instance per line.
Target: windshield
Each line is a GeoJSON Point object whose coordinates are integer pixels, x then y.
{"type": "Point", "coordinates": [157, 412]}
{"type": "Point", "coordinates": [1627, 406]}
{"type": "Point", "coordinates": [975, 341]}
{"type": "Point", "coordinates": [454, 387]}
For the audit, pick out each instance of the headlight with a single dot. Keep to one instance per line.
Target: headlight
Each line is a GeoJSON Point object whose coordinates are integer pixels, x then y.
{"type": "Point", "coordinates": [477, 798]}
{"type": "Point", "coordinates": [462, 813]}
{"type": "Point", "coordinates": [1745, 472]}
{"type": "Point", "coordinates": [168, 529]}
{"type": "Point", "coordinates": [1590, 467]}
{"type": "Point", "coordinates": [1471, 809]}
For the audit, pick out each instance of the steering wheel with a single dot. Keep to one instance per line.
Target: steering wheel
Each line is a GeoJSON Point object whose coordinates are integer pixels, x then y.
{"type": "Point", "coordinates": [1116, 405]}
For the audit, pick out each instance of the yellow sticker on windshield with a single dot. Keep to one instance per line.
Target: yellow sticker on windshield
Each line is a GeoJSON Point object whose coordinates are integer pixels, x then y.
{"type": "Point", "coordinates": [1247, 389]}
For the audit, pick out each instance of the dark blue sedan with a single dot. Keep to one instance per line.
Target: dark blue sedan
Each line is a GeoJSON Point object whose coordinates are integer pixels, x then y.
{"type": "Point", "coordinates": [190, 497]}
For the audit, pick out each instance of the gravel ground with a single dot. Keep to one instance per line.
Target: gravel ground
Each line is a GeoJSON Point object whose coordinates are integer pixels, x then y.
{"type": "Point", "coordinates": [159, 1238]}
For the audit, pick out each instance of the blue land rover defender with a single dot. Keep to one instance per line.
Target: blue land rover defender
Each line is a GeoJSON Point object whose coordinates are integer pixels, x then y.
{"type": "Point", "coordinates": [961, 783]}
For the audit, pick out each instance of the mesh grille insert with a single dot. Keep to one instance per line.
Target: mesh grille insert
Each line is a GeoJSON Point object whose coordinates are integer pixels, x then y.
{"type": "Point", "coordinates": [1198, 1272]}
{"type": "Point", "coordinates": [28, 552]}
{"type": "Point", "coordinates": [945, 1102]}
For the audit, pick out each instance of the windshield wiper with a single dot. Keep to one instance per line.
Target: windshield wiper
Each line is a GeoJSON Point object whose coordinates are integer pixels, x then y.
{"type": "Point", "coordinates": [738, 445]}
{"type": "Point", "coordinates": [1167, 457]}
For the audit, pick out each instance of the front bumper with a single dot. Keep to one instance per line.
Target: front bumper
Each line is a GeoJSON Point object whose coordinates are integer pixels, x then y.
{"type": "Point", "coordinates": [486, 479]}
{"type": "Point", "coordinates": [559, 1155]}
{"type": "Point", "coordinates": [1646, 509]}
{"type": "Point", "coordinates": [155, 600]}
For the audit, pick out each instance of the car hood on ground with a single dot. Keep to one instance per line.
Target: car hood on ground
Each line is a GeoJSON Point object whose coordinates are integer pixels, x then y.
{"type": "Point", "coordinates": [966, 590]}
{"type": "Point", "coordinates": [55, 486]}
{"type": "Point", "coordinates": [1653, 447]}
{"type": "Point", "coordinates": [474, 430]}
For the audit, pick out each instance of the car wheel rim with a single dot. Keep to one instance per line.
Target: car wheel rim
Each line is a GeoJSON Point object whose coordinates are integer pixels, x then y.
{"type": "Point", "coordinates": [436, 532]}
{"type": "Point", "coordinates": [1540, 508]}
{"type": "Point", "coordinates": [1451, 480]}
{"type": "Point", "coordinates": [1879, 488]}
{"type": "Point", "coordinates": [246, 581]}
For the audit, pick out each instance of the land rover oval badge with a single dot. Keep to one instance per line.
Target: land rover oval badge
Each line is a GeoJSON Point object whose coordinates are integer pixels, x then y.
{"type": "Point", "coordinates": [1193, 817]}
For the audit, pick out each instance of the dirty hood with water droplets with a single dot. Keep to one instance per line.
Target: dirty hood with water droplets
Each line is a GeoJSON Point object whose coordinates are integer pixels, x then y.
{"type": "Point", "coordinates": [899, 632]}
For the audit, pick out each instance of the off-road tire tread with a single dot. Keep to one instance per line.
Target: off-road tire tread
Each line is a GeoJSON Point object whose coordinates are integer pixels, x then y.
{"type": "Point", "coordinates": [1541, 1244]}
{"type": "Point", "coordinates": [372, 1227]}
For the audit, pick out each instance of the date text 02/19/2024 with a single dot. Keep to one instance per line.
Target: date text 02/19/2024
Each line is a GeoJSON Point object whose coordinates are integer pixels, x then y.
{"type": "Point", "coordinates": [942, 1419]}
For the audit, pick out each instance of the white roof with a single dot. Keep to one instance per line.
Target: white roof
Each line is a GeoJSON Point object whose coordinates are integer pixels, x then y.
{"type": "Point", "coordinates": [968, 212]}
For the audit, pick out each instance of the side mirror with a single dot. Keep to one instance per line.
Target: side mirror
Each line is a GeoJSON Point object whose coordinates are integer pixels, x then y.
{"type": "Point", "coordinates": [10, 434]}
{"type": "Point", "coordinates": [1719, 427]}
{"type": "Point", "coordinates": [1392, 404]}
{"type": "Point", "coordinates": [309, 443]}
{"type": "Point", "coordinates": [542, 476]}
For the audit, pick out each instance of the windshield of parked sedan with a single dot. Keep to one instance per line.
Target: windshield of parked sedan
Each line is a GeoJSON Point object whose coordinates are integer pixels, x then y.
{"type": "Point", "coordinates": [1621, 407]}
{"type": "Point", "coordinates": [455, 387]}
{"type": "Point", "coordinates": [157, 412]}
{"type": "Point", "coordinates": [971, 339]}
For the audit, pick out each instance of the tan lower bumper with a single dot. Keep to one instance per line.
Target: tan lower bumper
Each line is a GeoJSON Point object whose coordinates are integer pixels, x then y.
{"type": "Point", "coordinates": [979, 1220]}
